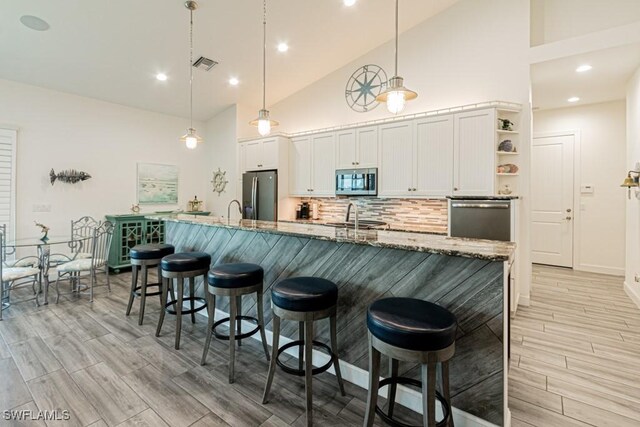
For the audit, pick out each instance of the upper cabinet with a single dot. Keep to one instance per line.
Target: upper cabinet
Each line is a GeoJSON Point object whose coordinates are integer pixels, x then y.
{"type": "Point", "coordinates": [262, 154]}
{"type": "Point", "coordinates": [433, 175]}
{"type": "Point", "coordinates": [474, 153]}
{"type": "Point", "coordinates": [323, 165]}
{"type": "Point", "coordinates": [313, 165]}
{"type": "Point", "coordinates": [395, 176]}
{"type": "Point", "coordinates": [357, 148]}
{"type": "Point", "coordinates": [300, 166]}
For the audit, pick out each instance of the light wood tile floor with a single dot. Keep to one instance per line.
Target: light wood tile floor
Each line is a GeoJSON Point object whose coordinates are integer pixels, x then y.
{"type": "Point", "coordinates": [575, 352]}
{"type": "Point", "coordinates": [98, 364]}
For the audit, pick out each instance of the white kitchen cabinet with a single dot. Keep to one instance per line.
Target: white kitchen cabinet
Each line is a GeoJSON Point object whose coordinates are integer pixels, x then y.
{"type": "Point", "coordinates": [433, 175]}
{"type": "Point", "coordinates": [396, 148]}
{"type": "Point", "coordinates": [367, 147]}
{"type": "Point", "coordinates": [262, 154]}
{"type": "Point", "coordinates": [241, 158]}
{"type": "Point", "coordinates": [357, 148]}
{"type": "Point", "coordinates": [346, 151]}
{"type": "Point", "coordinates": [474, 153]}
{"type": "Point", "coordinates": [300, 166]}
{"type": "Point", "coordinates": [323, 164]}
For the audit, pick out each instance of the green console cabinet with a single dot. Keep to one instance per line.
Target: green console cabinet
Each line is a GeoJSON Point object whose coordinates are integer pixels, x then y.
{"type": "Point", "coordinates": [134, 229]}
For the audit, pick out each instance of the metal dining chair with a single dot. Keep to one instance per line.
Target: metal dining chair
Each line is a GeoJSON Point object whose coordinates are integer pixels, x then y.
{"type": "Point", "coordinates": [81, 232]}
{"type": "Point", "coordinates": [80, 268]}
{"type": "Point", "coordinates": [15, 277]}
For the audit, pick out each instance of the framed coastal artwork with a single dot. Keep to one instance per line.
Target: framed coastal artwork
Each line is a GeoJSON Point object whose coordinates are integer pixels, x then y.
{"type": "Point", "coordinates": [157, 184]}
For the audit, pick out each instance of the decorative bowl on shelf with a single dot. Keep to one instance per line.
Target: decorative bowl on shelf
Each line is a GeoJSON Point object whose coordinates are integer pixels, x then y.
{"type": "Point", "coordinates": [507, 168]}
{"type": "Point", "coordinates": [507, 146]}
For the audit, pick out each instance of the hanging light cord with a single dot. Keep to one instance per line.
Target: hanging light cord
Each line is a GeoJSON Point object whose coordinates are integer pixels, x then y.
{"type": "Point", "coordinates": [396, 50]}
{"type": "Point", "coordinates": [264, 54]}
{"type": "Point", "coordinates": [191, 68]}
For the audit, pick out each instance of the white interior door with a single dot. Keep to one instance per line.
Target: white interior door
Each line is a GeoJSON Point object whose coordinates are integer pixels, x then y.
{"type": "Point", "coordinates": [552, 200]}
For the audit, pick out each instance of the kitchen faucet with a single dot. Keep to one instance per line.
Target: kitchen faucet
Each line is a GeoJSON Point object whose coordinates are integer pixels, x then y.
{"type": "Point", "coordinates": [229, 209]}
{"type": "Point", "coordinates": [355, 208]}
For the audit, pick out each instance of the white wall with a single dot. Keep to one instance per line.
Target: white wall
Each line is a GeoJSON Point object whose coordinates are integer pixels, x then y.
{"type": "Point", "coordinates": [62, 131]}
{"type": "Point", "coordinates": [600, 228]}
{"type": "Point", "coordinates": [221, 137]}
{"type": "Point", "coordinates": [633, 206]}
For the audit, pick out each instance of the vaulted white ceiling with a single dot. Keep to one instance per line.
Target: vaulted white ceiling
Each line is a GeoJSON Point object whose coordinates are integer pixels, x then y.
{"type": "Point", "coordinates": [112, 49]}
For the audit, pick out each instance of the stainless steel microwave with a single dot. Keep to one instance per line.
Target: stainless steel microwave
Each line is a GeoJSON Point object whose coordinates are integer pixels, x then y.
{"type": "Point", "coordinates": [357, 182]}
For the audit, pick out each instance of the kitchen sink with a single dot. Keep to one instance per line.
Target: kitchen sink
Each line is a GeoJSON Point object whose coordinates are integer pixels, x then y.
{"type": "Point", "coordinates": [363, 224]}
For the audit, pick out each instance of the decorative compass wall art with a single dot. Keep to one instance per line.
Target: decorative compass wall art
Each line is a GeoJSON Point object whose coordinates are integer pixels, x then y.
{"type": "Point", "coordinates": [363, 86]}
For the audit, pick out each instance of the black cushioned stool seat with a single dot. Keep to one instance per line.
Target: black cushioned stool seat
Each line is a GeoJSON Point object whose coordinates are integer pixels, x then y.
{"type": "Point", "coordinates": [238, 275]}
{"type": "Point", "coordinates": [305, 300]}
{"type": "Point", "coordinates": [304, 294]}
{"type": "Point", "coordinates": [143, 257]}
{"type": "Point", "coordinates": [187, 261]}
{"type": "Point", "coordinates": [412, 324]}
{"type": "Point", "coordinates": [151, 251]}
{"type": "Point", "coordinates": [178, 267]}
{"type": "Point", "coordinates": [235, 281]}
{"type": "Point", "coordinates": [415, 331]}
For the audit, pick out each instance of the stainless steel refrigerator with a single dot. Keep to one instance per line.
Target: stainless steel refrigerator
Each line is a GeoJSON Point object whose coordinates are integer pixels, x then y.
{"type": "Point", "coordinates": [260, 195]}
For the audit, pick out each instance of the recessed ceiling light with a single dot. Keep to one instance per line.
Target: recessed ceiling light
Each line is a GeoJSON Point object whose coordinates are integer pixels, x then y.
{"type": "Point", "coordinates": [349, 3]}
{"type": "Point", "coordinates": [283, 47]}
{"type": "Point", "coordinates": [161, 76]}
{"type": "Point", "coordinates": [573, 99]}
{"type": "Point", "coordinates": [583, 68]}
{"type": "Point", "coordinates": [233, 81]}
{"type": "Point", "coordinates": [34, 23]}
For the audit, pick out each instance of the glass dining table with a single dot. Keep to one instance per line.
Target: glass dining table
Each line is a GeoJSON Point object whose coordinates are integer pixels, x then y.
{"type": "Point", "coordinates": [43, 254]}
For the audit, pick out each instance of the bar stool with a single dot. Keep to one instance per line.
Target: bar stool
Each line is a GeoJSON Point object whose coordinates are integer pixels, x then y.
{"type": "Point", "coordinates": [234, 281]}
{"type": "Point", "coordinates": [305, 300]}
{"type": "Point", "coordinates": [145, 256]}
{"type": "Point", "coordinates": [417, 331]}
{"type": "Point", "coordinates": [187, 265]}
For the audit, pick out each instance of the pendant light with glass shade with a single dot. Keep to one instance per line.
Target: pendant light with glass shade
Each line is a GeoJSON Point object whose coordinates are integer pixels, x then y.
{"type": "Point", "coordinates": [191, 138]}
{"type": "Point", "coordinates": [263, 122]}
{"type": "Point", "coordinates": [396, 95]}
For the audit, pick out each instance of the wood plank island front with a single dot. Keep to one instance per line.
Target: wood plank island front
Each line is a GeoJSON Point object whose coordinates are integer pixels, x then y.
{"type": "Point", "coordinates": [468, 277]}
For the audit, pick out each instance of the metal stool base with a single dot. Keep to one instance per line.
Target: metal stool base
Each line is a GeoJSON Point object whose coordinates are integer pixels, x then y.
{"type": "Point", "coordinates": [301, 372]}
{"type": "Point", "coordinates": [189, 311]}
{"type": "Point", "coordinates": [446, 408]}
{"type": "Point", "coordinates": [137, 292]}
{"type": "Point", "coordinates": [237, 337]}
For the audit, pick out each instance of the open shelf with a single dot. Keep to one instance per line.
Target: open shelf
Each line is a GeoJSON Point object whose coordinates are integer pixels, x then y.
{"type": "Point", "coordinates": [510, 132]}
{"type": "Point", "coordinates": [508, 174]}
{"type": "Point", "coordinates": [507, 153]}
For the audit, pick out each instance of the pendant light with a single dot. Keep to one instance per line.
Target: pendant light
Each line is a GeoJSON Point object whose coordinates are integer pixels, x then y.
{"type": "Point", "coordinates": [263, 122]}
{"type": "Point", "coordinates": [396, 95]}
{"type": "Point", "coordinates": [191, 138]}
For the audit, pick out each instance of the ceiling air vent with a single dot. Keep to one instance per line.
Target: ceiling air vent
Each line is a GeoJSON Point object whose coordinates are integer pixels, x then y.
{"type": "Point", "coordinates": [205, 63]}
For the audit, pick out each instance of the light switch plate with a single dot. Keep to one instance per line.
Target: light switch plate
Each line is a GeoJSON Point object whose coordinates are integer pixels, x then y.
{"type": "Point", "coordinates": [586, 189]}
{"type": "Point", "coordinates": [41, 208]}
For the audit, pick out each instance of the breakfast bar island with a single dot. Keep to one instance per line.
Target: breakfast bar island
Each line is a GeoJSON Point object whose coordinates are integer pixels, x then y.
{"type": "Point", "coordinates": [468, 277]}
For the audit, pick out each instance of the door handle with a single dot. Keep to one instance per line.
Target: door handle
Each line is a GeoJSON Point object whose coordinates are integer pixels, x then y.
{"type": "Point", "coordinates": [568, 218]}
{"type": "Point", "coordinates": [568, 210]}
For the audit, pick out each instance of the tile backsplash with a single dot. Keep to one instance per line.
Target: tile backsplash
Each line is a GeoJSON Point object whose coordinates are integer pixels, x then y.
{"type": "Point", "coordinates": [427, 214]}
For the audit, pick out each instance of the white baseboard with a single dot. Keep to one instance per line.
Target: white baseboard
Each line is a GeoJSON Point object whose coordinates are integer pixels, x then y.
{"type": "Point", "coordinates": [634, 294]}
{"type": "Point", "coordinates": [591, 268]}
{"type": "Point", "coordinates": [405, 396]}
{"type": "Point", "coordinates": [524, 300]}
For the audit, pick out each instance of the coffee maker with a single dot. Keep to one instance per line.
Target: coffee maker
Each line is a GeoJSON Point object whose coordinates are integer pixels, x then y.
{"type": "Point", "coordinates": [305, 210]}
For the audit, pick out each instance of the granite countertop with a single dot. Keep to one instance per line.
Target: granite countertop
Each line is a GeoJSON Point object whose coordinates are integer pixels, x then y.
{"type": "Point", "coordinates": [420, 242]}
{"type": "Point", "coordinates": [498, 197]}
{"type": "Point", "coordinates": [407, 228]}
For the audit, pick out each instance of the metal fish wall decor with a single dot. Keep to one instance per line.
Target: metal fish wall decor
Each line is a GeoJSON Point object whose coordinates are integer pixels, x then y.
{"type": "Point", "coordinates": [70, 176]}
